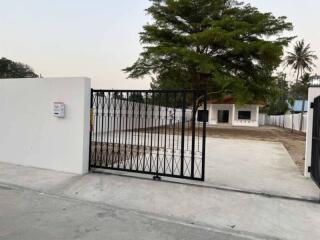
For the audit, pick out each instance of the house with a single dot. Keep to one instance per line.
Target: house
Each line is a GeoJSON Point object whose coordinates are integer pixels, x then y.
{"type": "Point", "coordinates": [227, 112]}
{"type": "Point", "coordinates": [297, 107]}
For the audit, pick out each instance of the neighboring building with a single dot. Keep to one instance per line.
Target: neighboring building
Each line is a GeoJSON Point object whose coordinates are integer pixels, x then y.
{"type": "Point", "coordinates": [297, 107]}
{"type": "Point", "coordinates": [315, 81]}
{"type": "Point", "coordinates": [226, 112]}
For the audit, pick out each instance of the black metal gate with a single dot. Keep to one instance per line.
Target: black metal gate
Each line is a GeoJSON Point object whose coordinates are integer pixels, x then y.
{"type": "Point", "coordinates": [157, 132]}
{"type": "Point", "coordinates": [315, 157]}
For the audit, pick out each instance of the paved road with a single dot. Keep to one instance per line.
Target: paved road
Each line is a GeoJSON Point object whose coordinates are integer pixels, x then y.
{"type": "Point", "coordinates": [245, 215]}
{"type": "Point", "coordinates": [30, 215]}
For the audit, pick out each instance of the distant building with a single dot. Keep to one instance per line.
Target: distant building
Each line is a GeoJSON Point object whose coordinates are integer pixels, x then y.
{"type": "Point", "coordinates": [315, 80]}
{"type": "Point", "coordinates": [227, 112]}
{"type": "Point", "coordinates": [297, 107]}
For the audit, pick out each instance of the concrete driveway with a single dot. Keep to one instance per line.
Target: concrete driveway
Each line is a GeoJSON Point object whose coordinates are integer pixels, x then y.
{"type": "Point", "coordinates": [253, 166]}
{"type": "Point", "coordinates": [256, 166]}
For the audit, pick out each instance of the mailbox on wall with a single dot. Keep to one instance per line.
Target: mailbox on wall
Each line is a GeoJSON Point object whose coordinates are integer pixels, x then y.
{"type": "Point", "coordinates": [59, 109]}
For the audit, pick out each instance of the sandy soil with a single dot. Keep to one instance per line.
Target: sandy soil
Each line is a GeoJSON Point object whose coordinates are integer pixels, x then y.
{"type": "Point", "coordinates": [293, 142]}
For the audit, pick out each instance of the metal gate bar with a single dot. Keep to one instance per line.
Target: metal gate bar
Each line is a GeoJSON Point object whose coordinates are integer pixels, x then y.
{"type": "Point", "coordinates": [315, 157]}
{"type": "Point", "coordinates": [149, 131]}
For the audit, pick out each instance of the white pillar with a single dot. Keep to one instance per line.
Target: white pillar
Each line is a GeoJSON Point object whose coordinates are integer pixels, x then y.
{"type": "Point", "coordinates": [257, 116]}
{"type": "Point", "coordinates": [313, 93]}
{"type": "Point", "coordinates": [233, 114]}
{"type": "Point", "coordinates": [28, 122]}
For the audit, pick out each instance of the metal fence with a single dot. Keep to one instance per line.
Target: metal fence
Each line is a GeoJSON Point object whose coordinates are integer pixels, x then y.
{"type": "Point", "coordinates": [149, 132]}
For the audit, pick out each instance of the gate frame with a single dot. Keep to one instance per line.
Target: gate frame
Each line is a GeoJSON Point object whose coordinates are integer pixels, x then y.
{"type": "Point", "coordinates": [314, 92]}
{"type": "Point", "coordinates": [315, 151]}
{"type": "Point", "coordinates": [157, 175]}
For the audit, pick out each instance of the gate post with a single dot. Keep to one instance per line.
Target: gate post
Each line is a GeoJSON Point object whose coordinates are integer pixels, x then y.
{"type": "Point", "coordinates": [204, 132]}
{"type": "Point", "coordinates": [90, 129]}
{"type": "Point", "coordinates": [314, 92]}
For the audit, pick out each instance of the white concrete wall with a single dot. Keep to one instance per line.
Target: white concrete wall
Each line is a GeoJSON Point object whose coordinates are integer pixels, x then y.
{"type": "Point", "coordinates": [289, 121]}
{"type": "Point", "coordinates": [314, 92]}
{"type": "Point", "coordinates": [149, 115]}
{"type": "Point", "coordinates": [253, 122]}
{"type": "Point", "coordinates": [262, 119]}
{"type": "Point", "coordinates": [32, 136]}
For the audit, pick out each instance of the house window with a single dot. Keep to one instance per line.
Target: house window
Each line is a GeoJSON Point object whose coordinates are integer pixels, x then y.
{"type": "Point", "coordinates": [223, 116]}
{"type": "Point", "coordinates": [203, 115]}
{"type": "Point", "coordinates": [244, 115]}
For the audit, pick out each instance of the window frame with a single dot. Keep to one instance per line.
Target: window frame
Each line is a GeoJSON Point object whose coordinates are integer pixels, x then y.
{"type": "Point", "coordinates": [203, 116]}
{"type": "Point", "coordinates": [240, 117]}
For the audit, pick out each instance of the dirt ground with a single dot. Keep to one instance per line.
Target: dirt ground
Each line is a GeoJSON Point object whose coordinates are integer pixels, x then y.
{"type": "Point", "coordinates": [293, 142]}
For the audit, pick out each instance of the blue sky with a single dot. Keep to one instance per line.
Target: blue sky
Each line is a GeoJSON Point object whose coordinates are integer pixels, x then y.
{"type": "Point", "coordinates": [99, 38]}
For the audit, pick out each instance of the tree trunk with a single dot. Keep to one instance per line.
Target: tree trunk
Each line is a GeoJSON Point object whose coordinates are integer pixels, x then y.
{"type": "Point", "coordinates": [302, 113]}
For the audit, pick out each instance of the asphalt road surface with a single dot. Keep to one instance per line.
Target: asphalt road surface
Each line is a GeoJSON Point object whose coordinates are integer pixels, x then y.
{"type": "Point", "coordinates": [31, 215]}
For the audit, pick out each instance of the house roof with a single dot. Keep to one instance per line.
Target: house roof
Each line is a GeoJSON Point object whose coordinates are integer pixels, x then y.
{"type": "Point", "coordinates": [230, 100]}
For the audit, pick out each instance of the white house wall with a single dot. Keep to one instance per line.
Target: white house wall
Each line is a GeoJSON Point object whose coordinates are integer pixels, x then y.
{"type": "Point", "coordinates": [254, 122]}
{"type": "Point", "coordinates": [233, 114]}
{"type": "Point", "coordinates": [213, 112]}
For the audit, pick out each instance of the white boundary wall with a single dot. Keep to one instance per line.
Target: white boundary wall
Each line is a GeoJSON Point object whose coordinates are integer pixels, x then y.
{"type": "Point", "coordinates": [313, 93]}
{"type": "Point", "coordinates": [149, 116]}
{"type": "Point", "coordinates": [32, 136]}
{"type": "Point", "coordinates": [286, 121]}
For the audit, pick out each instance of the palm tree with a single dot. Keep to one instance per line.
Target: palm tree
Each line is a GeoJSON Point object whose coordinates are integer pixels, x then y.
{"type": "Point", "coordinates": [301, 59]}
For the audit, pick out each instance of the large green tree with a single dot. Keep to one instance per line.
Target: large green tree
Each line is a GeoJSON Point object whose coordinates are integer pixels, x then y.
{"type": "Point", "coordinates": [279, 94]}
{"type": "Point", "coordinates": [223, 46]}
{"type": "Point", "coordinates": [11, 69]}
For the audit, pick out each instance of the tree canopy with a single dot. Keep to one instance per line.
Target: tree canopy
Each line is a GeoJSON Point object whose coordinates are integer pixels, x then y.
{"type": "Point", "coordinates": [223, 46]}
{"type": "Point", "coordinates": [11, 69]}
{"type": "Point", "coordinates": [136, 97]}
{"type": "Point", "coordinates": [299, 90]}
{"type": "Point", "coordinates": [301, 59]}
{"type": "Point", "coordinates": [277, 101]}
